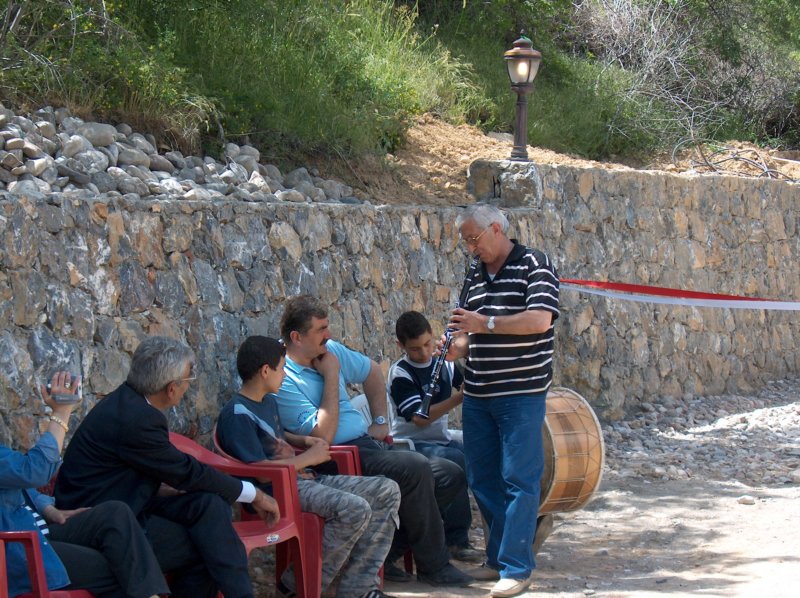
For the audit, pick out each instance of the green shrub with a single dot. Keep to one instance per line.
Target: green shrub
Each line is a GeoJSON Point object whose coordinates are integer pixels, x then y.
{"type": "Point", "coordinates": [74, 54]}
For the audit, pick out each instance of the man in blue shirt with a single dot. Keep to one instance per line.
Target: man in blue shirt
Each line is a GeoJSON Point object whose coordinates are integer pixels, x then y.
{"type": "Point", "coordinates": [313, 401]}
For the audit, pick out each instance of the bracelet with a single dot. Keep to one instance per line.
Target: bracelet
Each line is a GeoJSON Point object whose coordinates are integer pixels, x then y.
{"type": "Point", "coordinates": [60, 422]}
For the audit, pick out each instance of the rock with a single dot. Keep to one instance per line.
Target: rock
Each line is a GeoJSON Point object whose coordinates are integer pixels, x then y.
{"type": "Point", "coordinates": [125, 129]}
{"type": "Point", "coordinates": [92, 161]}
{"type": "Point", "coordinates": [141, 143]}
{"type": "Point", "coordinates": [70, 124]}
{"type": "Point", "coordinates": [249, 162]}
{"type": "Point", "coordinates": [133, 156]}
{"type": "Point", "coordinates": [31, 150]}
{"type": "Point", "coordinates": [104, 182]}
{"type": "Point", "coordinates": [112, 152]}
{"type": "Point", "coordinates": [24, 188]}
{"type": "Point", "coordinates": [131, 184]}
{"type": "Point", "coordinates": [6, 176]}
{"type": "Point", "coordinates": [38, 166]}
{"type": "Point", "coordinates": [61, 114]}
{"type": "Point", "coordinates": [75, 145]}
{"type": "Point", "coordinates": [142, 173]}
{"type": "Point", "coordinates": [14, 143]}
{"type": "Point", "coordinates": [334, 190]}
{"type": "Point", "coordinates": [231, 150]}
{"type": "Point", "coordinates": [249, 150]}
{"type": "Point", "coordinates": [291, 195]}
{"type": "Point", "coordinates": [198, 193]}
{"type": "Point", "coordinates": [176, 158]}
{"type": "Point", "coordinates": [746, 500]}
{"type": "Point", "coordinates": [296, 176]}
{"type": "Point", "coordinates": [273, 173]}
{"type": "Point", "coordinates": [258, 180]}
{"type": "Point", "coordinates": [309, 190]}
{"type": "Point", "coordinates": [98, 134]}
{"type": "Point", "coordinates": [10, 160]}
{"type": "Point", "coordinates": [76, 176]}
{"type": "Point", "coordinates": [173, 187]}
{"type": "Point", "coordinates": [159, 162]}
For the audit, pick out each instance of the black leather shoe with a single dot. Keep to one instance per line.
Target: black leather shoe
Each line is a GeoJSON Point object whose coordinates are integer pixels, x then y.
{"type": "Point", "coordinates": [392, 572]}
{"type": "Point", "coordinates": [467, 553]}
{"type": "Point", "coordinates": [446, 576]}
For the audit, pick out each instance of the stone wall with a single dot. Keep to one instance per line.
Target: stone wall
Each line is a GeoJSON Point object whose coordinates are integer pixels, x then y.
{"type": "Point", "coordinates": [715, 234]}
{"type": "Point", "coordinates": [84, 277]}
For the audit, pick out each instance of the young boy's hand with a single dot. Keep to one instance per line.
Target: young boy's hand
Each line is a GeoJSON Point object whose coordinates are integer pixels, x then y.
{"type": "Point", "coordinates": [319, 453]}
{"type": "Point", "coordinates": [312, 440]}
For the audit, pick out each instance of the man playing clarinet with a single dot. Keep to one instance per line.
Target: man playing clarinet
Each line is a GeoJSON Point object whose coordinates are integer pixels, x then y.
{"type": "Point", "coordinates": [505, 332]}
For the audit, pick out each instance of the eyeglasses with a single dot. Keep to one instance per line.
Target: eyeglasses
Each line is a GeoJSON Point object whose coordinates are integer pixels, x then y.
{"type": "Point", "coordinates": [192, 376]}
{"type": "Point", "coordinates": [473, 241]}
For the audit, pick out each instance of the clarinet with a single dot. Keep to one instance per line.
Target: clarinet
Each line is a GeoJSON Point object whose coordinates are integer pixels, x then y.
{"type": "Point", "coordinates": [425, 407]}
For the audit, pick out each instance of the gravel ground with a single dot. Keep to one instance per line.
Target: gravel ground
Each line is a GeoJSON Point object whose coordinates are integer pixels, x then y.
{"type": "Point", "coordinates": [700, 495]}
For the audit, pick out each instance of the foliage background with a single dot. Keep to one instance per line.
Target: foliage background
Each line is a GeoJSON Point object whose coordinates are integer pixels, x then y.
{"type": "Point", "coordinates": [619, 78]}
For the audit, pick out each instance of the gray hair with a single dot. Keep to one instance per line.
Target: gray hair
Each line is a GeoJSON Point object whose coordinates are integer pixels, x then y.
{"type": "Point", "coordinates": [157, 361]}
{"type": "Point", "coordinates": [484, 216]}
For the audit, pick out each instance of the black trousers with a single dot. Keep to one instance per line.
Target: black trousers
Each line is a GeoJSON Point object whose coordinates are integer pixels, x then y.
{"type": "Point", "coordinates": [194, 541]}
{"type": "Point", "coordinates": [426, 487]}
{"type": "Point", "coordinates": [105, 551]}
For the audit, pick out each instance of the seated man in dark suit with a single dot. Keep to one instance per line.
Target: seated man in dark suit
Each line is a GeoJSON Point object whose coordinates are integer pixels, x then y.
{"type": "Point", "coordinates": [121, 451]}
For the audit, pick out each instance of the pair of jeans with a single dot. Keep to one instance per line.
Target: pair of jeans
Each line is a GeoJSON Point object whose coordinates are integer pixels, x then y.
{"type": "Point", "coordinates": [426, 486]}
{"type": "Point", "coordinates": [457, 516]}
{"type": "Point", "coordinates": [505, 462]}
{"type": "Point", "coordinates": [105, 551]}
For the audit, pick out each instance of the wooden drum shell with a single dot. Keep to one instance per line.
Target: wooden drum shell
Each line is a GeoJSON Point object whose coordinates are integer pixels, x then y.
{"type": "Point", "coordinates": [574, 452]}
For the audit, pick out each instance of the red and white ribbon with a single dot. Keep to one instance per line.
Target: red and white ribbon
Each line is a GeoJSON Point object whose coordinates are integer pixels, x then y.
{"type": "Point", "coordinates": [664, 295]}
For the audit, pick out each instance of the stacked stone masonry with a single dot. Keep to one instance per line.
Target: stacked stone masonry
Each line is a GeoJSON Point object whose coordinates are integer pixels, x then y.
{"type": "Point", "coordinates": [84, 276]}
{"type": "Point", "coordinates": [716, 234]}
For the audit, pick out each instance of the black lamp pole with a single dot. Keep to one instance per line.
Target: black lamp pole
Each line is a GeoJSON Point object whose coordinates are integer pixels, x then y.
{"type": "Point", "coordinates": [520, 149]}
{"type": "Point", "coordinates": [522, 62]}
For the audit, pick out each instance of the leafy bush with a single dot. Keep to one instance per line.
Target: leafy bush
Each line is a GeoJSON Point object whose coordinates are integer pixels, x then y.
{"type": "Point", "coordinates": [619, 77]}
{"type": "Point", "coordinates": [72, 53]}
{"type": "Point", "coordinates": [313, 74]}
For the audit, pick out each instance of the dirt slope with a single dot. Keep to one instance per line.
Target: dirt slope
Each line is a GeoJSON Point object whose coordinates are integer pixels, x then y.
{"type": "Point", "coordinates": [432, 166]}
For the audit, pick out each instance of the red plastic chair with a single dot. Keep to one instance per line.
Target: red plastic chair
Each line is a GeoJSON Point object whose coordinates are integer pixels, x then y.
{"type": "Point", "coordinates": [348, 461]}
{"type": "Point", "coordinates": [345, 456]}
{"type": "Point", "coordinates": [33, 554]}
{"type": "Point", "coordinates": [297, 536]}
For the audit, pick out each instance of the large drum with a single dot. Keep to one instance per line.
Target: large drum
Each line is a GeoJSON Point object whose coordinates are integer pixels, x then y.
{"type": "Point", "coordinates": [574, 452]}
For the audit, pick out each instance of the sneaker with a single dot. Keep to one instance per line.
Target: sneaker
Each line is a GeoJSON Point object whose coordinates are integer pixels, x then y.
{"type": "Point", "coordinates": [484, 573]}
{"type": "Point", "coordinates": [466, 552]}
{"type": "Point", "coordinates": [446, 576]}
{"type": "Point", "coordinates": [392, 572]}
{"type": "Point", "coordinates": [376, 594]}
{"type": "Point", "coordinates": [505, 588]}
{"type": "Point", "coordinates": [544, 527]}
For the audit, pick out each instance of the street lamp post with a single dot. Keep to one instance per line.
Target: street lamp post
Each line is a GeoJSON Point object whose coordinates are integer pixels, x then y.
{"type": "Point", "coordinates": [523, 64]}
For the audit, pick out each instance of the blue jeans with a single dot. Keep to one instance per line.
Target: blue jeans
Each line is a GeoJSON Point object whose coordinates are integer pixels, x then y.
{"type": "Point", "coordinates": [505, 462]}
{"type": "Point", "coordinates": [457, 516]}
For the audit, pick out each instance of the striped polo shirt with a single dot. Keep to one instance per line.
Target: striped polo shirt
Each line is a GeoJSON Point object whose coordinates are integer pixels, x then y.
{"type": "Point", "coordinates": [512, 364]}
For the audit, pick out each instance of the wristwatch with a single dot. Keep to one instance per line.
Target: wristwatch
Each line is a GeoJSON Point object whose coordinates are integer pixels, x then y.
{"type": "Point", "coordinates": [380, 420]}
{"type": "Point", "coordinates": [490, 324]}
